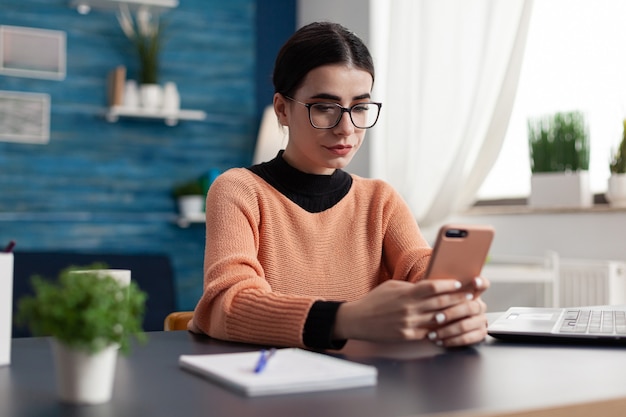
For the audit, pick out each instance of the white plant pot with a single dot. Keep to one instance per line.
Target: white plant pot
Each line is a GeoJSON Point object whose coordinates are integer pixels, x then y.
{"type": "Point", "coordinates": [151, 96]}
{"type": "Point", "coordinates": [616, 191]}
{"type": "Point", "coordinates": [84, 378]}
{"type": "Point", "coordinates": [190, 205]}
{"type": "Point", "coordinates": [560, 189]}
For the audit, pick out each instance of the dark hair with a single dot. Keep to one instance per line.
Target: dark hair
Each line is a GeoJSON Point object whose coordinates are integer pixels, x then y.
{"type": "Point", "coordinates": [315, 45]}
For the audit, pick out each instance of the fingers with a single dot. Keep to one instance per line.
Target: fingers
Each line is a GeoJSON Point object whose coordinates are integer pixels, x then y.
{"type": "Point", "coordinates": [428, 288]}
{"type": "Point", "coordinates": [480, 285]}
{"type": "Point", "coordinates": [436, 295]}
{"type": "Point", "coordinates": [464, 324]}
{"type": "Point", "coordinates": [442, 303]}
{"type": "Point", "coordinates": [472, 337]}
{"type": "Point", "coordinates": [431, 287]}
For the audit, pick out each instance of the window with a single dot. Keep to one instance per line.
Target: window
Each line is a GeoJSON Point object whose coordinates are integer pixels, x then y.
{"type": "Point", "coordinates": [575, 60]}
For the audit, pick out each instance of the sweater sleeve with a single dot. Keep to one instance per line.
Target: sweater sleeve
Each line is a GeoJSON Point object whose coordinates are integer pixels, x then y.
{"type": "Point", "coordinates": [238, 303]}
{"type": "Point", "coordinates": [406, 251]}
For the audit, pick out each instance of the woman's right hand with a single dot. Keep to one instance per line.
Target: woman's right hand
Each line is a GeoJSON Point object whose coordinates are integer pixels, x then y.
{"type": "Point", "coordinates": [402, 311]}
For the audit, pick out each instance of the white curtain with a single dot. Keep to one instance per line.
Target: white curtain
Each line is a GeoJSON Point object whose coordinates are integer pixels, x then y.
{"type": "Point", "coordinates": [447, 74]}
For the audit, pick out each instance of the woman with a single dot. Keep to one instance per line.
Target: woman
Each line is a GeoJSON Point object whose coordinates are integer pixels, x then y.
{"type": "Point", "coordinates": [301, 253]}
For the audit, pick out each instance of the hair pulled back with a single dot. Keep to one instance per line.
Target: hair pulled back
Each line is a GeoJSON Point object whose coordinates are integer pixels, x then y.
{"type": "Point", "coordinates": [315, 45]}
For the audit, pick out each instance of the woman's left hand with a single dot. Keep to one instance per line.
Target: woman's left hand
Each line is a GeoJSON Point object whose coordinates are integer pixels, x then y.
{"type": "Point", "coordinates": [464, 323]}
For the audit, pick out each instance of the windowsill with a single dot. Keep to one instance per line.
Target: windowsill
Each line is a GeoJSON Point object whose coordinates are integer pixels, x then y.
{"type": "Point", "coordinates": [519, 206]}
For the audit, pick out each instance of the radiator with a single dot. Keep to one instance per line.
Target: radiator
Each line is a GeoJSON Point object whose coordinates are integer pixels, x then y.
{"type": "Point", "coordinates": [591, 282]}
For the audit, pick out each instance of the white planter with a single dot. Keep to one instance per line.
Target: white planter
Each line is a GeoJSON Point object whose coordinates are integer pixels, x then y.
{"type": "Point", "coordinates": [190, 205]}
{"type": "Point", "coordinates": [560, 189]}
{"type": "Point", "coordinates": [84, 378]}
{"type": "Point", "coordinates": [6, 306]}
{"type": "Point", "coordinates": [151, 96]}
{"type": "Point", "coordinates": [616, 191]}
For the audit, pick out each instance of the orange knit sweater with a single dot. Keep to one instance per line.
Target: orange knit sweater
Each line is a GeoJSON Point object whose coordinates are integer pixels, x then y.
{"type": "Point", "coordinates": [267, 260]}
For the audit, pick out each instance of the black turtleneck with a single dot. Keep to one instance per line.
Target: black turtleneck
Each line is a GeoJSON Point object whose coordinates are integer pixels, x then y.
{"type": "Point", "coordinates": [314, 193]}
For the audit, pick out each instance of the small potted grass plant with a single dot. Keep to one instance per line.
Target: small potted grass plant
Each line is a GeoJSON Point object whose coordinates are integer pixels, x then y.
{"type": "Point", "coordinates": [189, 196]}
{"type": "Point", "coordinates": [559, 155]}
{"type": "Point", "coordinates": [145, 30]}
{"type": "Point", "coordinates": [616, 191]}
{"type": "Point", "coordinates": [90, 316]}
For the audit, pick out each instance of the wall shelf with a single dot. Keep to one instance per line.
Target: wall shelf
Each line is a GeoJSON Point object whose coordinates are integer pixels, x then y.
{"type": "Point", "coordinates": [85, 6]}
{"type": "Point", "coordinates": [171, 119]}
{"type": "Point", "coordinates": [186, 221]}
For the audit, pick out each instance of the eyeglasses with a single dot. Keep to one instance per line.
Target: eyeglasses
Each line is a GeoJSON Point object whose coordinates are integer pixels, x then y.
{"type": "Point", "coordinates": [328, 115]}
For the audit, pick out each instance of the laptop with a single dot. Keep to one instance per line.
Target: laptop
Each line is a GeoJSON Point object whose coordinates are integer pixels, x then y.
{"type": "Point", "coordinates": [593, 325]}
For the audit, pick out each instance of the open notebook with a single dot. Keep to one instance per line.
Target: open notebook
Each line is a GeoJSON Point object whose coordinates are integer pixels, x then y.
{"type": "Point", "coordinates": [598, 324]}
{"type": "Point", "coordinates": [290, 370]}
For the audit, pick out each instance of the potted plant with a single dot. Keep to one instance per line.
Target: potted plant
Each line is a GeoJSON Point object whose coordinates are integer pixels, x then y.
{"type": "Point", "coordinates": [616, 191]}
{"type": "Point", "coordinates": [145, 31]}
{"type": "Point", "coordinates": [190, 197]}
{"type": "Point", "coordinates": [559, 154]}
{"type": "Point", "coordinates": [90, 316]}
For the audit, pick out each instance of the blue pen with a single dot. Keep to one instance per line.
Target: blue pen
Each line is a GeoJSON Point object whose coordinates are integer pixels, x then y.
{"type": "Point", "coordinates": [263, 359]}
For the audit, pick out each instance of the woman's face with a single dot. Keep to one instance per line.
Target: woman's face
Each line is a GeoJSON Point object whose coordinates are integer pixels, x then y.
{"type": "Point", "coordinates": [322, 151]}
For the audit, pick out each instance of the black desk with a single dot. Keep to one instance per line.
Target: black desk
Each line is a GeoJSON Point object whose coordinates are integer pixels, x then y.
{"type": "Point", "coordinates": [416, 379]}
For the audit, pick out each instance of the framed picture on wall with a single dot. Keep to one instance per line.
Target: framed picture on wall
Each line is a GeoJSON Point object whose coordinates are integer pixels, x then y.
{"type": "Point", "coordinates": [24, 117]}
{"type": "Point", "coordinates": [33, 53]}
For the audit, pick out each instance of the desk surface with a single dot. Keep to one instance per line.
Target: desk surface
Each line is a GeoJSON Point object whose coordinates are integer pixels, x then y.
{"type": "Point", "coordinates": [414, 380]}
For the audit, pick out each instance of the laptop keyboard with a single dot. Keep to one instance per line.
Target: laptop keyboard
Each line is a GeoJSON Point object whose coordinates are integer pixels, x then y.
{"type": "Point", "coordinates": [594, 321]}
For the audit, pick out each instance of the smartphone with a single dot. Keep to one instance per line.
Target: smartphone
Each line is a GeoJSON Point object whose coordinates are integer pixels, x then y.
{"type": "Point", "coordinates": [460, 252]}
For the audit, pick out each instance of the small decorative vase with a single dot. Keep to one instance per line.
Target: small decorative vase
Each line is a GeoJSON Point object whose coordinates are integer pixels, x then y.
{"type": "Point", "coordinates": [151, 97]}
{"type": "Point", "coordinates": [131, 95]}
{"type": "Point", "coordinates": [616, 191]}
{"type": "Point", "coordinates": [190, 205]}
{"type": "Point", "coordinates": [84, 378]}
{"type": "Point", "coordinates": [171, 98]}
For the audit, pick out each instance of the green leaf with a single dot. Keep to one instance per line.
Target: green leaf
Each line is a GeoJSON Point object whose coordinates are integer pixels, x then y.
{"type": "Point", "coordinates": [618, 157]}
{"type": "Point", "coordinates": [558, 143]}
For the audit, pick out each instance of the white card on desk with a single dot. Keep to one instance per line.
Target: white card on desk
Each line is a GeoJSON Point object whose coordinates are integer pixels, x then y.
{"type": "Point", "coordinates": [290, 370]}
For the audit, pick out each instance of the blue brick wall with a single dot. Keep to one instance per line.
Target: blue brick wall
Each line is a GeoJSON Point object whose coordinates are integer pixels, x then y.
{"type": "Point", "coordinates": [105, 187]}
